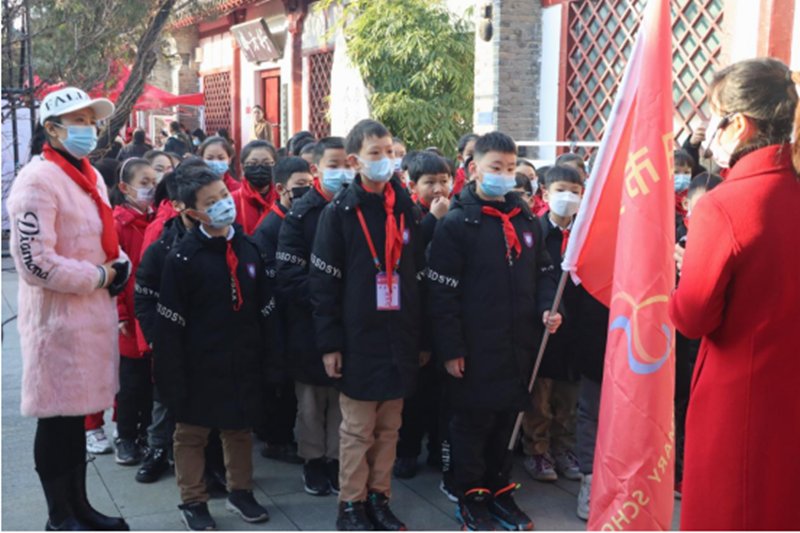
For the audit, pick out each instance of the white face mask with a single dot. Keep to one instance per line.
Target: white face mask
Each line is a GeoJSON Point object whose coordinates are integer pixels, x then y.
{"type": "Point", "coordinates": [564, 203]}
{"type": "Point", "coordinates": [719, 152]}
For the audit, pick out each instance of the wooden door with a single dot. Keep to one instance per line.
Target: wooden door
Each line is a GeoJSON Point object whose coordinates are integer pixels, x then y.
{"type": "Point", "coordinates": [271, 101]}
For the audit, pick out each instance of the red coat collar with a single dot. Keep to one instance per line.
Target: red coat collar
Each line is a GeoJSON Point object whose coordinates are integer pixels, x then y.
{"type": "Point", "coordinates": [773, 159]}
{"type": "Point", "coordinates": [126, 215]}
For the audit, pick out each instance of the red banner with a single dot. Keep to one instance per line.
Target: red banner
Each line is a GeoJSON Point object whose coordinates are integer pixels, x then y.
{"type": "Point", "coordinates": [621, 250]}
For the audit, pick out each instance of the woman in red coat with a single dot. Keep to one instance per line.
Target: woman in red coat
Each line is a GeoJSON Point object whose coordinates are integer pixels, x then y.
{"type": "Point", "coordinates": [740, 292]}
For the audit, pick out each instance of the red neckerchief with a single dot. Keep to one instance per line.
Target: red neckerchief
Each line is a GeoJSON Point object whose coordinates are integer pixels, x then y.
{"type": "Point", "coordinates": [262, 203]}
{"type": "Point", "coordinates": [512, 240]}
{"type": "Point", "coordinates": [459, 181]}
{"type": "Point", "coordinates": [82, 179]}
{"type": "Point", "coordinates": [679, 198]}
{"type": "Point", "coordinates": [318, 187]}
{"type": "Point", "coordinates": [394, 235]}
{"type": "Point", "coordinates": [278, 211]}
{"type": "Point", "coordinates": [233, 264]}
{"type": "Point", "coordinates": [564, 240]}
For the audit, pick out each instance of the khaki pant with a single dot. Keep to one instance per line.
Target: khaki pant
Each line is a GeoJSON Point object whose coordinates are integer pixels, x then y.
{"type": "Point", "coordinates": [549, 426]}
{"type": "Point", "coordinates": [318, 421]}
{"type": "Point", "coordinates": [368, 447]}
{"type": "Point", "coordinates": [189, 447]}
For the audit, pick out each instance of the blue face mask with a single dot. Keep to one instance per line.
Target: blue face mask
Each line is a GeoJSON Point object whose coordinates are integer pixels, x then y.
{"type": "Point", "coordinates": [398, 164]}
{"type": "Point", "coordinates": [497, 185]}
{"type": "Point", "coordinates": [222, 213]}
{"type": "Point", "coordinates": [80, 141]}
{"type": "Point", "coordinates": [682, 182]}
{"type": "Point", "coordinates": [333, 179]}
{"type": "Point", "coordinates": [380, 170]}
{"type": "Point", "coordinates": [219, 167]}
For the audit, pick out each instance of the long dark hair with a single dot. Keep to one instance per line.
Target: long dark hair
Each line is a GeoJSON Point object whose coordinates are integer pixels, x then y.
{"type": "Point", "coordinates": [764, 90]}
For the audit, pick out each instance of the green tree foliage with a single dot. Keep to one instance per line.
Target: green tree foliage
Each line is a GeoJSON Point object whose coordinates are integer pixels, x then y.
{"type": "Point", "coordinates": [416, 59]}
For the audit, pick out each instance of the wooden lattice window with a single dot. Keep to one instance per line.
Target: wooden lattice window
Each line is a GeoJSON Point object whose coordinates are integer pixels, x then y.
{"type": "Point", "coordinates": [217, 91]}
{"type": "Point", "coordinates": [319, 92]}
{"type": "Point", "coordinates": [599, 42]}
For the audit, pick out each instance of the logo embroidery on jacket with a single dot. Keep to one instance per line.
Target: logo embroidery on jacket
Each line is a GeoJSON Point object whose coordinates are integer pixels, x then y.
{"type": "Point", "coordinates": [251, 270]}
{"type": "Point", "coordinates": [28, 228]}
{"type": "Point", "coordinates": [528, 236]}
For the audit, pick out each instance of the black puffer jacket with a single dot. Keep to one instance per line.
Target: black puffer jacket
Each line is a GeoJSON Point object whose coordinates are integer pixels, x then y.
{"type": "Point", "coordinates": [303, 358]}
{"type": "Point", "coordinates": [487, 310]}
{"type": "Point", "coordinates": [380, 348]}
{"type": "Point", "coordinates": [148, 276]}
{"type": "Point", "coordinates": [209, 359]}
{"type": "Point", "coordinates": [588, 332]}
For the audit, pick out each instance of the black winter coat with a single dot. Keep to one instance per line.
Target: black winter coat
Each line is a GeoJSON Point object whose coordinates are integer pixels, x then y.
{"type": "Point", "coordinates": [303, 358]}
{"type": "Point", "coordinates": [487, 310]}
{"type": "Point", "coordinates": [148, 276]}
{"type": "Point", "coordinates": [266, 238]}
{"type": "Point", "coordinates": [380, 349]}
{"type": "Point", "coordinates": [588, 332]}
{"type": "Point", "coordinates": [209, 359]}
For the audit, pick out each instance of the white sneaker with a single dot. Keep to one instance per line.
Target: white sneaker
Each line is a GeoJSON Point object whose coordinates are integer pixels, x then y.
{"type": "Point", "coordinates": [96, 442]}
{"type": "Point", "coordinates": [567, 465]}
{"type": "Point", "coordinates": [583, 497]}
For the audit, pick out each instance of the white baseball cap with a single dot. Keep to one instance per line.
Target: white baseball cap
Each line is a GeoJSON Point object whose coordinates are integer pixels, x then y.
{"type": "Point", "coordinates": [71, 99]}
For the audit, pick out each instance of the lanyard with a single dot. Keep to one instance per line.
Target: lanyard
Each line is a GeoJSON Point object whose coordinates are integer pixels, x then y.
{"type": "Point", "coordinates": [368, 238]}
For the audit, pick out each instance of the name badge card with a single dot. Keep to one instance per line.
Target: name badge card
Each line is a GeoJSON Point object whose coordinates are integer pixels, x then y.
{"type": "Point", "coordinates": [386, 300]}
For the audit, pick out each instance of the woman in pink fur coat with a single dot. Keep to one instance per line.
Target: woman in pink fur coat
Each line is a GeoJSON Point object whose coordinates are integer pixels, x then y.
{"type": "Point", "coordinates": [66, 252]}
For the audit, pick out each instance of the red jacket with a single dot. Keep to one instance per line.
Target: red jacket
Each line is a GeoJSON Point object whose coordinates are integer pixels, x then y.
{"type": "Point", "coordinates": [251, 207]}
{"type": "Point", "coordinates": [131, 225]}
{"type": "Point", "coordinates": [153, 232]}
{"type": "Point", "coordinates": [740, 291]}
{"type": "Point", "coordinates": [459, 181]}
{"type": "Point", "coordinates": [231, 183]}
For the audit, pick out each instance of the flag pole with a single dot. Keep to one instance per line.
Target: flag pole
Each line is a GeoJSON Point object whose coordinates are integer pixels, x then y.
{"type": "Point", "coordinates": [562, 283]}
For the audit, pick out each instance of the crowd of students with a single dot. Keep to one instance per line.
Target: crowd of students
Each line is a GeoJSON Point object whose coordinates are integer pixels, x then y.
{"type": "Point", "coordinates": [346, 301]}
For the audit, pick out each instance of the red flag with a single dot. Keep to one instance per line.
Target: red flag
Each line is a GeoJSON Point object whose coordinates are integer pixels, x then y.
{"type": "Point", "coordinates": [621, 250]}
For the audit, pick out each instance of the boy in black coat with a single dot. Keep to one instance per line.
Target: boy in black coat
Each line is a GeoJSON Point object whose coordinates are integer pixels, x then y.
{"type": "Point", "coordinates": [365, 266]}
{"type": "Point", "coordinates": [491, 285]}
{"type": "Point", "coordinates": [318, 413]}
{"type": "Point", "coordinates": [430, 183]}
{"type": "Point", "coordinates": [210, 346]}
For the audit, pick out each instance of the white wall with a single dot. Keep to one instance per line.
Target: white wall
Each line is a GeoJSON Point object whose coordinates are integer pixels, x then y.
{"type": "Point", "coordinates": [216, 52]}
{"type": "Point", "coordinates": [349, 102]}
{"type": "Point", "coordinates": [795, 62]}
{"type": "Point", "coordinates": [549, 88]}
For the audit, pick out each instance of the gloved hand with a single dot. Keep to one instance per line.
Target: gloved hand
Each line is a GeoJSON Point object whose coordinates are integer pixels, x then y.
{"type": "Point", "coordinates": [123, 270]}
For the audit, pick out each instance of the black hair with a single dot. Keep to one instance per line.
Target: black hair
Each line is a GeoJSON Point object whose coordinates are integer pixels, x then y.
{"type": "Point", "coordinates": [150, 155]}
{"type": "Point", "coordinates": [569, 157]}
{"type": "Point", "coordinates": [467, 161]}
{"type": "Point", "coordinates": [683, 158]}
{"type": "Point", "coordinates": [562, 173]}
{"type": "Point", "coordinates": [308, 148]}
{"type": "Point", "coordinates": [191, 179]}
{"type": "Point", "coordinates": [435, 150]}
{"type": "Point", "coordinates": [326, 143]}
{"type": "Point", "coordinates": [174, 126]}
{"type": "Point", "coordinates": [138, 137]}
{"type": "Point", "coordinates": [282, 152]}
{"type": "Point", "coordinates": [200, 134]}
{"type": "Point", "coordinates": [253, 145]}
{"type": "Point", "coordinates": [526, 163]}
{"type": "Point", "coordinates": [215, 139]}
{"type": "Point", "coordinates": [224, 133]}
{"type": "Point", "coordinates": [764, 90]}
{"type": "Point", "coordinates": [257, 107]}
{"type": "Point", "coordinates": [452, 165]}
{"type": "Point", "coordinates": [464, 140]}
{"type": "Point", "coordinates": [541, 173]}
{"type": "Point", "coordinates": [426, 163]}
{"type": "Point", "coordinates": [109, 169]}
{"type": "Point", "coordinates": [705, 181]}
{"type": "Point", "coordinates": [405, 164]}
{"type": "Point", "coordinates": [298, 140]}
{"type": "Point", "coordinates": [494, 141]}
{"type": "Point", "coordinates": [398, 140]}
{"type": "Point", "coordinates": [365, 128]}
{"type": "Point", "coordinates": [125, 174]}
{"type": "Point", "coordinates": [523, 181]}
{"type": "Point", "coordinates": [287, 166]}
{"type": "Point", "coordinates": [167, 188]}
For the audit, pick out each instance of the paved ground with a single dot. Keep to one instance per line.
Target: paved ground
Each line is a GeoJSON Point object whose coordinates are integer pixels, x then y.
{"type": "Point", "coordinates": [112, 488]}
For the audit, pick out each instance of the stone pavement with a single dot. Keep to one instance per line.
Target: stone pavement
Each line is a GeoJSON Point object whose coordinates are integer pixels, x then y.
{"type": "Point", "coordinates": [113, 490]}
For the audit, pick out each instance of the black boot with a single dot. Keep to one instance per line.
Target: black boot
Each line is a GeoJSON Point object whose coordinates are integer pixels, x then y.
{"type": "Point", "coordinates": [381, 515]}
{"type": "Point", "coordinates": [61, 516]}
{"type": "Point", "coordinates": [84, 510]}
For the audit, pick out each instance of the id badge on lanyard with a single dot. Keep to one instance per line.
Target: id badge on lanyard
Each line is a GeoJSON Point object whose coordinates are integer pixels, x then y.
{"type": "Point", "coordinates": [387, 293]}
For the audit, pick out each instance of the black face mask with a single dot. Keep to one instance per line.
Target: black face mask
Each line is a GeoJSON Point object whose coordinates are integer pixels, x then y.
{"type": "Point", "coordinates": [259, 176]}
{"type": "Point", "coordinates": [298, 192]}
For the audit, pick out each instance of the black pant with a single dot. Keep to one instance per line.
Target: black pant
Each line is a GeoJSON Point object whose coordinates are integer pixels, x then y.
{"type": "Point", "coordinates": [479, 443]}
{"type": "Point", "coordinates": [685, 357]}
{"type": "Point", "coordinates": [59, 446]}
{"type": "Point", "coordinates": [281, 412]}
{"type": "Point", "coordinates": [135, 397]}
{"type": "Point", "coordinates": [421, 416]}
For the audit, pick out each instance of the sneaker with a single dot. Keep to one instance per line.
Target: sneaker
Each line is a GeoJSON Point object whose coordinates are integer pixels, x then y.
{"type": "Point", "coordinates": [128, 452]}
{"type": "Point", "coordinates": [285, 453]}
{"type": "Point", "coordinates": [243, 503]}
{"type": "Point", "coordinates": [540, 467]}
{"type": "Point", "coordinates": [405, 467]}
{"type": "Point", "coordinates": [381, 515]}
{"type": "Point", "coordinates": [446, 487]}
{"type": "Point", "coordinates": [583, 497]}
{"type": "Point", "coordinates": [505, 510]}
{"type": "Point", "coordinates": [472, 512]}
{"type": "Point", "coordinates": [332, 470]}
{"type": "Point", "coordinates": [154, 465]}
{"type": "Point", "coordinates": [196, 516]}
{"type": "Point", "coordinates": [353, 517]}
{"type": "Point", "coordinates": [678, 490]}
{"type": "Point", "coordinates": [315, 478]}
{"type": "Point", "coordinates": [567, 465]}
{"type": "Point", "coordinates": [97, 443]}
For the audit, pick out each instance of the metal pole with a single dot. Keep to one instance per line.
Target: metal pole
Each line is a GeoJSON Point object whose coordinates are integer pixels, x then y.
{"type": "Point", "coordinates": [31, 88]}
{"type": "Point", "coordinates": [562, 283]}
